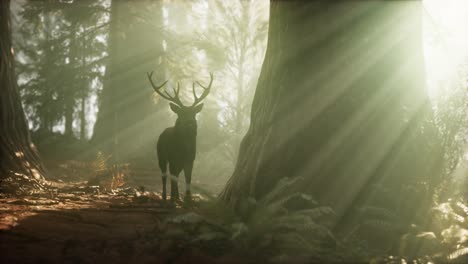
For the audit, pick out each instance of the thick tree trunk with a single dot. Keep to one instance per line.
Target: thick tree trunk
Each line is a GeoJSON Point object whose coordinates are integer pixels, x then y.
{"type": "Point", "coordinates": [71, 90]}
{"type": "Point", "coordinates": [47, 117]}
{"type": "Point", "coordinates": [84, 90]}
{"type": "Point", "coordinates": [126, 125]}
{"type": "Point", "coordinates": [83, 119]}
{"type": "Point", "coordinates": [340, 101]}
{"type": "Point", "coordinates": [103, 134]}
{"type": "Point", "coordinates": [69, 107]}
{"type": "Point", "coordinates": [19, 161]}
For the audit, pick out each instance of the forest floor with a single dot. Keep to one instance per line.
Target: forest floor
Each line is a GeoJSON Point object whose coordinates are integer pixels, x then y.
{"type": "Point", "coordinates": [79, 223]}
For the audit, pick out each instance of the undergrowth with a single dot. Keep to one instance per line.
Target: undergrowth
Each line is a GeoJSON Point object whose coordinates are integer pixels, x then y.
{"type": "Point", "coordinates": [286, 226]}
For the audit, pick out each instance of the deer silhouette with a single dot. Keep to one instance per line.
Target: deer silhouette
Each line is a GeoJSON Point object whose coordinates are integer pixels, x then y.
{"type": "Point", "coordinates": [177, 145]}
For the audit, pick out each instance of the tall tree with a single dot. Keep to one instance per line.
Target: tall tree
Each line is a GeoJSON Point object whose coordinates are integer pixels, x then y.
{"type": "Point", "coordinates": [41, 63]}
{"type": "Point", "coordinates": [126, 121]}
{"type": "Point", "coordinates": [84, 19]}
{"type": "Point", "coordinates": [18, 157]}
{"type": "Point", "coordinates": [238, 43]}
{"type": "Point", "coordinates": [341, 102]}
{"type": "Point", "coordinates": [60, 46]}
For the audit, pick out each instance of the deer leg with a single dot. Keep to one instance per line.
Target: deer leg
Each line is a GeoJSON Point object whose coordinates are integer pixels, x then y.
{"type": "Point", "coordinates": [174, 183]}
{"type": "Point", "coordinates": [163, 167]}
{"type": "Point", "coordinates": [164, 178]}
{"type": "Point", "coordinates": [188, 178]}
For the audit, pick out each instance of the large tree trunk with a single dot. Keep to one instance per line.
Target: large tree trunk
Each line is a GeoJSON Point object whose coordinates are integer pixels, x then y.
{"type": "Point", "coordinates": [71, 91]}
{"type": "Point", "coordinates": [19, 161]}
{"type": "Point", "coordinates": [84, 90]}
{"type": "Point", "coordinates": [47, 117]}
{"type": "Point", "coordinates": [340, 101]}
{"type": "Point", "coordinates": [102, 135]}
{"type": "Point", "coordinates": [83, 118]}
{"type": "Point", "coordinates": [126, 125]}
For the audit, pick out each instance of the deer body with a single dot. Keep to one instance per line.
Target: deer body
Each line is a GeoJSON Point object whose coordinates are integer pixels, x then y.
{"type": "Point", "coordinates": [177, 145]}
{"type": "Point", "coordinates": [176, 150]}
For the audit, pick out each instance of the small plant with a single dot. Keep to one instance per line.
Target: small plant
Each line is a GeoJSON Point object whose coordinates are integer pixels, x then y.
{"type": "Point", "coordinates": [283, 225]}
{"type": "Point", "coordinates": [119, 174]}
{"type": "Point", "coordinates": [108, 177]}
{"type": "Point", "coordinates": [445, 241]}
{"type": "Point", "coordinates": [452, 217]}
{"type": "Point", "coordinates": [100, 163]}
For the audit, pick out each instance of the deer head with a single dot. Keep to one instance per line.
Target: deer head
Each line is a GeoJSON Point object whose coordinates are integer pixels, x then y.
{"type": "Point", "coordinates": [186, 120]}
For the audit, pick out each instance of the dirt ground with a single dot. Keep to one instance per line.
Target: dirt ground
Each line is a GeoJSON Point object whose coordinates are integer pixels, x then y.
{"type": "Point", "coordinates": [91, 228]}
{"type": "Point", "coordinates": [79, 223]}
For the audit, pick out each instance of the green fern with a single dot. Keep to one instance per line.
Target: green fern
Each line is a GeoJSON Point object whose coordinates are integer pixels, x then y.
{"type": "Point", "coordinates": [294, 221]}
{"type": "Point", "coordinates": [378, 213]}
{"type": "Point", "coordinates": [381, 225]}
{"type": "Point", "coordinates": [276, 215]}
{"type": "Point", "coordinates": [318, 213]}
{"type": "Point", "coordinates": [293, 241]}
{"type": "Point", "coordinates": [462, 207]}
{"type": "Point", "coordinates": [282, 189]}
{"type": "Point", "coordinates": [458, 253]}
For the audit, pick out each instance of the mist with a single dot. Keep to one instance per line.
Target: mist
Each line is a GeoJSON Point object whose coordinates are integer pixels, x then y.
{"type": "Point", "coordinates": [234, 131]}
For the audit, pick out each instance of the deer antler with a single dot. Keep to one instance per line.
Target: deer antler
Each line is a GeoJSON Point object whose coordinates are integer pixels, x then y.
{"type": "Point", "coordinates": [206, 91]}
{"type": "Point", "coordinates": [175, 99]}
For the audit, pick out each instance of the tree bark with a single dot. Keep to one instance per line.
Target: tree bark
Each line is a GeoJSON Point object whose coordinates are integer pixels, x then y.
{"type": "Point", "coordinates": [83, 119]}
{"type": "Point", "coordinates": [19, 160]}
{"type": "Point", "coordinates": [341, 101]}
{"type": "Point", "coordinates": [84, 91]}
{"type": "Point", "coordinates": [103, 128]}
{"type": "Point", "coordinates": [48, 119]}
{"type": "Point", "coordinates": [71, 90]}
{"type": "Point", "coordinates": [126, 124]}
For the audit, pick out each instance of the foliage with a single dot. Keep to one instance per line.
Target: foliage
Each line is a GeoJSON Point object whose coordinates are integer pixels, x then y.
{"type": "Point", "coordinates": [451, 225]}
{"type": "Point", "coordinates": [451, 114]}
{"type": "Point", "coordinates": [108, 177]}
{"type": "Point", "coordinates": [445, 242]}
{"type": "Point", "coordinates": [57, 146]}
{"type": "Point", "coordinates": [439, 234]}
{"type": "Point", "coordinates": [284, 225]}
{"type": "Point", "coordinates": [60, 49]}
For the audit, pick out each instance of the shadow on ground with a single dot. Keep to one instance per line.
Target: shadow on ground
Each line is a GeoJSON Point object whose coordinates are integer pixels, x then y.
{"type": "Point", "coordinates": [125, 227]}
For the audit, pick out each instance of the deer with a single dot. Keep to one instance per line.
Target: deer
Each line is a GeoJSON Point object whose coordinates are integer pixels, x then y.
{"type": "Point", "coordinates": [177, 145]}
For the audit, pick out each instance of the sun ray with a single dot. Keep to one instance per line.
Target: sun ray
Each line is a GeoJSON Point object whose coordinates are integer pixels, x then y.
{"type": "Point", "coordinates": [445, 43]}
